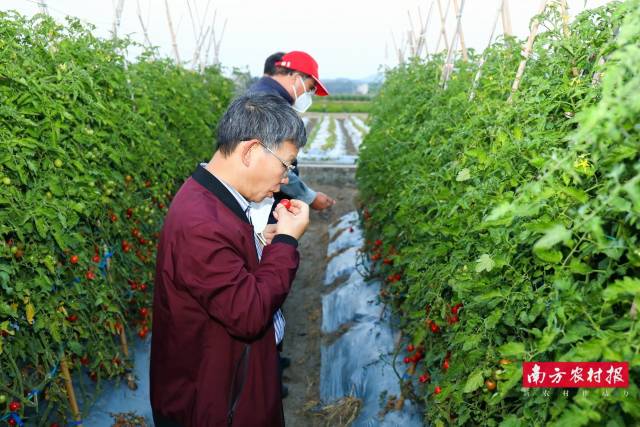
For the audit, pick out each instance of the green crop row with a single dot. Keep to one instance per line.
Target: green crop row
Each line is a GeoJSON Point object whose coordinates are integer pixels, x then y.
{"type": "Point", "coordinates": [509, 231]}
{"type": "Point", "coordinates": [91, 151]}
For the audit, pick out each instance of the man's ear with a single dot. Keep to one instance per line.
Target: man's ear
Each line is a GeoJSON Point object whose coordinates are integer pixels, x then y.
{"type": "Point", "coordinates": [247, 150]}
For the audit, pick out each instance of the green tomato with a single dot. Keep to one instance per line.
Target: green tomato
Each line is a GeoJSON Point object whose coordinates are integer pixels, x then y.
{"type": "Point", "coordinates": [49, 195]}
{"type": "Point", "coordinates": [14, 249]}
{"type": "Point", "coordinates": [3, 398]}
{"type": "Point", "coordinates": [57, 163]}
{"type": "Point", "coordinates": [6, 181]}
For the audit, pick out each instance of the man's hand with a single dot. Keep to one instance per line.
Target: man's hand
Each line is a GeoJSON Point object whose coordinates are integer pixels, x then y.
{"type": "Point", "coordinates": [269, 232]}
{"type": "Point", "coordinates": [293, 221]}
{"type": "Point", "coordinates": [322, 201]}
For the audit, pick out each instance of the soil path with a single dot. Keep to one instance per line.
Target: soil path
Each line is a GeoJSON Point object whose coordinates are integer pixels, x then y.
{"type": "Point", "coordinates": [303, 309]}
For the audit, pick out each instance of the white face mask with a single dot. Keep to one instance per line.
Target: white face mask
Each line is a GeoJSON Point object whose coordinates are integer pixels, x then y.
{"type": "Point", "coordinates": [302, 102]}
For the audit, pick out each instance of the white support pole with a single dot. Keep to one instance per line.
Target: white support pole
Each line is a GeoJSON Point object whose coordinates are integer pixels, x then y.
{"type": "Point", "coordinates": [443, 24]}
{"type": "Point", "coordinates": [476, 79]}
{"type": "Point", "coordinates": [117, 15]}
{"type": "Point", "coordinates": [527, 50]}
{"type": "Point", "coordinates": [448, 64]}
{"type": "Point", "coordinates": [172, 33]}
{"type": "Point", "coordinates": [506, 18]}
{"type": "Point", "coordinates": [42, 5]}
{"type": "Point", "coordinates": [145, 31]}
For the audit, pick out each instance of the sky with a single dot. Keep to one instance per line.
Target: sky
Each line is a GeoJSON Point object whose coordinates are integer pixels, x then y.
{"type": "Point", "coordinates": [348, 38]}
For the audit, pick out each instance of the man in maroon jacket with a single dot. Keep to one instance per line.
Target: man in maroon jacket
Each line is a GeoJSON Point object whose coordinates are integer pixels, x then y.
{"type": "Point", "coordinates": [218, 290]}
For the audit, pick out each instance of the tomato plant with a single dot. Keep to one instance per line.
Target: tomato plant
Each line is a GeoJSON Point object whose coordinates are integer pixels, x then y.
{"type": "Point", "coordinates": [90, 149]}
{"type": "Point", "coordinates": [516, 224]}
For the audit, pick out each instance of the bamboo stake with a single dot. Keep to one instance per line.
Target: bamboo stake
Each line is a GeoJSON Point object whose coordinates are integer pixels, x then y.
{"type": "Point", "coordinates": [217, 43]}
{"type": "Point", "coordinates": [448, 64]}
{"type": "Point", "coordinates": [422, 40]}
{"type": "Point", "coordinates": [142, 24]}
{"type": "Point", "coordinates": [564, 7]}
{"type": "Point", "coordinates": [42, 4]}
{"type": "Point", "coordinates": [123, 343]}
{"type": "Point", "coordinates": [64, 369]}
{"type": "Point", "coordinates": [116, 18]}
{"type": "Point", "coordinates": [527, 50]}
{"type": "Point", "coordinates": [506, 18]}
{"type": "Point", "coordinates": [476, 79]}
{"type": "Point", "coordinates": [172, 32]}
{"type": "Point", "coordinates": [443, 22]}
{"type": "Point", "coordinates": [465, 56]}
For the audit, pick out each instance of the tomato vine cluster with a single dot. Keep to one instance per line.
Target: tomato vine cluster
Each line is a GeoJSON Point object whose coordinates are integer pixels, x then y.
{"type": "Point", "coordinates": [504, 231]}
{"type": "Point", "coordinates": [92, 152]}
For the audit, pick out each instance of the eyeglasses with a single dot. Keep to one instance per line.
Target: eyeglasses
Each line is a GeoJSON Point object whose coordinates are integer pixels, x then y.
{"type": "Point", "coordinates": [288, 167]}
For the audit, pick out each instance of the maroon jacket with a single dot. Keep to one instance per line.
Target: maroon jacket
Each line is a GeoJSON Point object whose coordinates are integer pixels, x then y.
{"type": "Point", "coordinates": [213, 353]}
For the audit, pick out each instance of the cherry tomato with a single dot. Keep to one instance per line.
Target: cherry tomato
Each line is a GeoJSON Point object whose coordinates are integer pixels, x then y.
{"type": "Point", "coordinates": [456, 308]}
{"type": "Point", "coordinates": [96, 258]}
{"type": "Point", "coordinates": [407, 359]}
{"type": "Point", "coordinates": [72, 317]}
{"type": "Point", "coordinates": [113, 217]}
{"type": "Point", "coordinates": [74, 259]}
{"type": "Point", "coordinates": [445, 364]}
{"type": "Point", "coordinates": [144, 312]}
{"type": "Point", "coordinates": [491, 385]}
{"type": "Point", "coordinates": [437, 390]}
{"type": "Point", "coordinates": [90, 275]}
{"type": "Point", "coordinates": [378, 242]}
{"type": "Point", "coordinates": [286, 203]}
{"type": "Point", "coordinates": [410, 348]}
{"type": "Point", "coordinates": [424, 378]}
{"type": "Point", "coordinates": [14, 406]}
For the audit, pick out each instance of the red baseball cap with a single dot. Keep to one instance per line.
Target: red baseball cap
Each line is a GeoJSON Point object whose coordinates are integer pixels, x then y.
{"type": "Point", "coordinates": [303, 62]}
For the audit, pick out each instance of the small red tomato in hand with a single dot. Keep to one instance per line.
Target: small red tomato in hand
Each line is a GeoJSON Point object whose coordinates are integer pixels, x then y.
{"type": "Point", "coordinates": [286, 203]}
{"type": "Point", "coordinates": [14, 406]}
{"type": "Point", "coordinates": [74, 259]}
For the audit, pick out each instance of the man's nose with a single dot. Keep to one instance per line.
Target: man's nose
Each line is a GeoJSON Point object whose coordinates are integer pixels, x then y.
{"type": "Point", "coordinates": [285, 180]}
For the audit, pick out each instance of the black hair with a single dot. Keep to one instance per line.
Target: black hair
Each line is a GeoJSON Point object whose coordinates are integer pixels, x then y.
{"type": "Point", "coordinates": [270, 63]}
{"type": "Point", "coordinates": [265, 117]}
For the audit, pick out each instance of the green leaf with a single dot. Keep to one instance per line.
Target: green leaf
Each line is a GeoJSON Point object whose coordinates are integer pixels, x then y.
{"type": "Point", "coordinates": [554, 235]}
{"type": "Point", "coordinates": [484, 263]}
{"type": "Point", "coordinates": [512, 349]}
{"type": "Point", "coordinates": [625, 287]}
{"type": "Point", "coordinates": [551, 256]}
{"type": "Point", "coordinates": [475, 381]}
{"type": "Point", "coordinates": [463, 175]}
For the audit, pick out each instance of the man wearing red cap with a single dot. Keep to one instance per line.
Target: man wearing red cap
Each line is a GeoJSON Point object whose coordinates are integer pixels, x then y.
{"type": "Point", "coordinates": [294, 77]}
